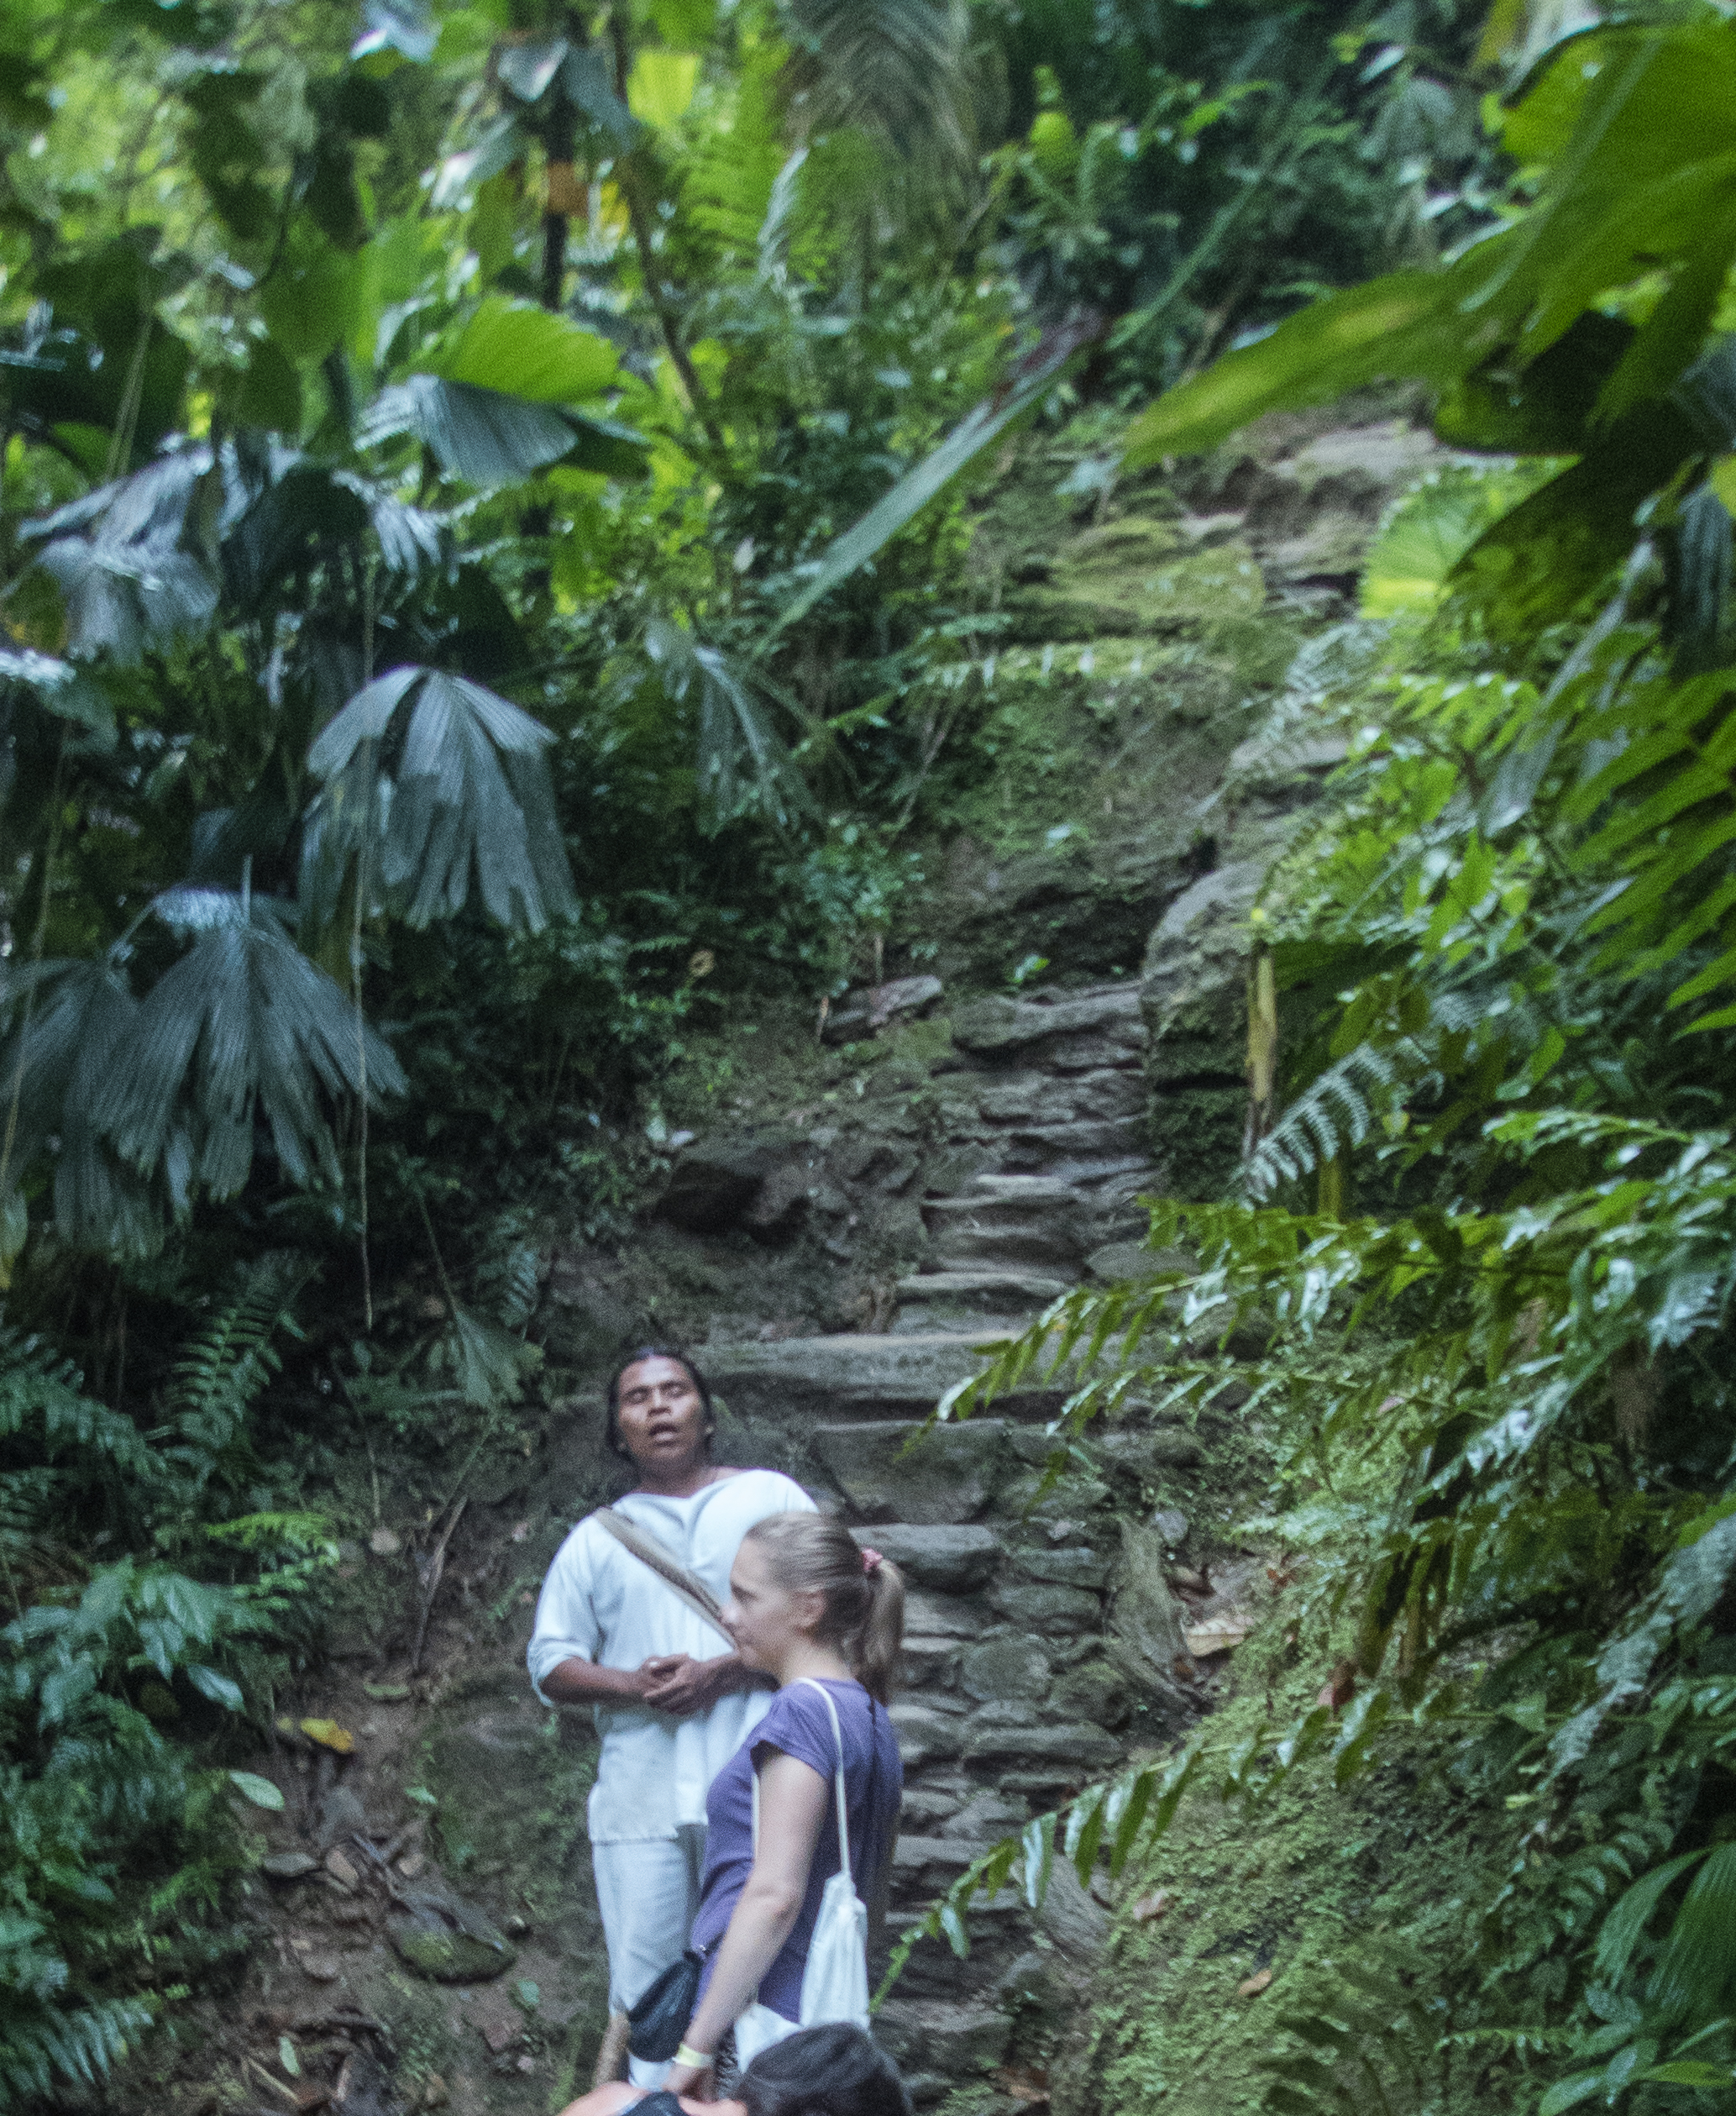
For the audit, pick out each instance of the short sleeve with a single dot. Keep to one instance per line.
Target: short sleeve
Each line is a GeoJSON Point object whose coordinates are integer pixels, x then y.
{"type": "Point", "coordinates": [566, 1625]}
{"type": "Point", "coordinates": [797, 1723]}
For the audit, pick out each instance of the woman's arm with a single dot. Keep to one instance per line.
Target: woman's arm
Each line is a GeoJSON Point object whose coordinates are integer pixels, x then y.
{"type": "Point", "coordinates": [792, 1808]}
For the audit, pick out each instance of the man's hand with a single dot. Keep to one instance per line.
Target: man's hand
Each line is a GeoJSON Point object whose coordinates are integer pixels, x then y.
{"type": "Point", "coordinates": [577, 1682]}
{"type": "Point", "coordinates": [681, 1686]}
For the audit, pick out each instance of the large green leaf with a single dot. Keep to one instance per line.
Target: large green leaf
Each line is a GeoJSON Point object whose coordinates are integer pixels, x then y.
{"type": "Point", "coordinates": [119, 560]}
{"type": "Point", "coordinates": [1404, 325]}
{"type": "Point", "coordinates": [242, 1030]}
{"type": "Point", "coordinates": [476, 434]}
{"type": "Point", "coordinates": [55, 1066]}
{"type": "Point", "coordinates": [1697, 1969]}
{"type": "Point", "coordinates": [1030, 381]}
{"type": "Point", "coordinates": [469, 793]}
{"type": "Point", "coordinates": [526, 351]}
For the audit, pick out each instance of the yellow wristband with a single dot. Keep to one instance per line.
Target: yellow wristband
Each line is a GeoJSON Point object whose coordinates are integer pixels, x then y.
{"type": "Point", "coordinates": [700, 2060]}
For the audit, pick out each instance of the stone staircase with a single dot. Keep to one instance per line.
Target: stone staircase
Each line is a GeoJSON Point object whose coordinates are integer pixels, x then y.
{"type": "Point", "coordinates": [1059, 1095]}
{"type": "Point", "coordinates": [1042, 1639]}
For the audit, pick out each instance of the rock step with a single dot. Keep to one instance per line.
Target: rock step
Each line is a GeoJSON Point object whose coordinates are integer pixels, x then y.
{"type": "Point", "coordinates": [968, 1246]}
{"type": "Point", "coordinates": [1000, 1026]}
{"type": "Point", "coordinates": [1085, 1137]}
{"type": "Point", "coordinates": [987, 1284]}
{"type": "Point", "coordinates": [898, 1470]}
{"type": "Point", "coordinates": [952, 1558]}
{"type": "Point", "coordinates": [1044, 1097]}
{"type": "Point", "coordinates": [794, 1381]}
{"type": "Point", "coordinates": [1032, 1193]}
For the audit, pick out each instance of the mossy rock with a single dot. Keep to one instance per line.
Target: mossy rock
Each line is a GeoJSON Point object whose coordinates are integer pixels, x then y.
{"type": "Point", "coordinates": [448, 1940]}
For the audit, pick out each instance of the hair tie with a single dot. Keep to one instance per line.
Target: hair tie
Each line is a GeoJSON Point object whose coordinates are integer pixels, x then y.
{"type": "Point", "coordinates": [871, 1562]}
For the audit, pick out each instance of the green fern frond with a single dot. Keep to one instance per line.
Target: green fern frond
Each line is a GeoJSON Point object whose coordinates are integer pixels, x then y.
{"type": "Point", "coordinates": [1337, 1111]}
{"type": "Point", "coordinates": [226, 1368]}
{"type": "Point", "coordinates": [66, 2049]}
{"type": "Point", "coordinates": [1372, 2040]}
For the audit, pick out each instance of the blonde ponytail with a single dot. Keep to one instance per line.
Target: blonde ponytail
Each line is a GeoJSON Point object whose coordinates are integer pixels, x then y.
{"type": "Point", "coordinates": [863, 1593]}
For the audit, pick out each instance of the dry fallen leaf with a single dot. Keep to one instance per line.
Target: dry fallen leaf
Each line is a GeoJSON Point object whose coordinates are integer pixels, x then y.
{"type": "Point", "coordinates": [1025, 2084]}
{"type": "Point", "coordinates": [433, 2091]}
{"type": "Point", "coordinates": [1217, 1635]}
{"type": "Point", "coordinates": [1149, 1906]}
{"type": "Point", "coordinates": [1251, 1987]}
{"type": "Point", "coordinates": [329, 1735]}
{"type": "Point", "coordinates": [1340, 1687]}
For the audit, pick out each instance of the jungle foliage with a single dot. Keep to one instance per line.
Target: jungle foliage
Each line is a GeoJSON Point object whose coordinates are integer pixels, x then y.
{"type": "Point", "coordinates": [1480, 1273]}
{"type": "Point", "coordinates": [477, 483]}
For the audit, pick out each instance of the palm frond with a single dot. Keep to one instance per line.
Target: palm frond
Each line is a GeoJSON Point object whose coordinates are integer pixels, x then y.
{"type": "Point", "coordinates": [243, 1028]}
{"type": "Point", "coordinates": [468, 790]}
{"type": "Point", "coordinates": [743, 763]}
{"type": "Point", "coordinates": [896, 68]}
{"type": "Point", "coordinates": [57, 1061]}
{"type": "Point", "coordinates": [119, 560]}
{"type": "Point", "coordinates": [479, 435]}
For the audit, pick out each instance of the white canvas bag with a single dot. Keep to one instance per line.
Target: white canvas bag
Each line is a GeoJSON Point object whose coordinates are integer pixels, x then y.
{"type": "Point", "coordinates": [835, 1976]}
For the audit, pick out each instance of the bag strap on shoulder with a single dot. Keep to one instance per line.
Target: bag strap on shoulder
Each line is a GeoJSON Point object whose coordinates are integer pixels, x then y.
{"type": "Point", "coordinates": [837, 1736]}
{"type": "Point", "coordinates": [681, 1582]}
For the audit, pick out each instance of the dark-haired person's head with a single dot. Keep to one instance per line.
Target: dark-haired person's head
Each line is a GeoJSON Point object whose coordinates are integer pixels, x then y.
{"type": "Point", "coordinates": [833, 2070]}
{"type": "Point", "coordinates": [659, 1409]}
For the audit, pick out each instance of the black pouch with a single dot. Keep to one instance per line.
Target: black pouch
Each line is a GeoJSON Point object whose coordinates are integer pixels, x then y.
{"type": "Point", "coordinates": [657, 2023]}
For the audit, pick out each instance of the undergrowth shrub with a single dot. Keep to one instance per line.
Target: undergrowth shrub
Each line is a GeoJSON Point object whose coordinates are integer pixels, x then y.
{"type": "Point", "coordinates": [132, 1651]}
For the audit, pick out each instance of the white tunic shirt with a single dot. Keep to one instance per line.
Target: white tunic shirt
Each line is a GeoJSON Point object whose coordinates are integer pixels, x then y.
{"type": "Point", "coordinates": [601, 1603]}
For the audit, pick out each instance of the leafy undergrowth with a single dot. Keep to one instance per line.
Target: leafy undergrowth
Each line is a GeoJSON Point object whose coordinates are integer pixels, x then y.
{"type": "Point", "coordinates": [1245, 1915]}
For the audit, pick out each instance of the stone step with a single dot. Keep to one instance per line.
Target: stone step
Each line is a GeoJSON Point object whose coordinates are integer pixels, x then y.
{"type": "Point", "coordinates": [936, 2043]}
{"type": "Point", "coordinates": [1047, 1098]}
{"type": "Point", "coordinates": [897, 1470]}
{"type": "Point", "coordinates": [854, 1375]}
{"type": "Point", "coordinates": [952, 1559]}
{"type": "Point", "coordinates": [964, 1246]}
{"type": "Point", "coordinates": [1025, 1194]}
{"type": "Point", "coordinates": [985, 1285]}
{"type": "Point", "coordinates": [1087, 1138]}
{"type": "Point", "coordinates": [999, 1027]}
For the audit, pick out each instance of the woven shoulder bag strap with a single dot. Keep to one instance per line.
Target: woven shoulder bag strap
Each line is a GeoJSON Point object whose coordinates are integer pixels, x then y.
{"type": "Point", "coordinates": [675, 1575]}
{"type": "Point", "coordinates": [838, 1734]}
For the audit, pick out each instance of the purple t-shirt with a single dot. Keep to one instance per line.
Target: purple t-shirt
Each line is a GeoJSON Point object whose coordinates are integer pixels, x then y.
{"type": "Point", "coordinates": [796, 1722]}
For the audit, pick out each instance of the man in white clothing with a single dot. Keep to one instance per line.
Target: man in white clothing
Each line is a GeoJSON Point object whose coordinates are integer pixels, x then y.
{"type": "Point", "coordinates": [672, 1699]}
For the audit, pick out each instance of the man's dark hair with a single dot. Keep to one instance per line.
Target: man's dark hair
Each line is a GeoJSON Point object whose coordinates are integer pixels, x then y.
{"type": "Point", "coordinates": [617, 1444]}
{"type": "Point", "coordinates": [833, 2070]}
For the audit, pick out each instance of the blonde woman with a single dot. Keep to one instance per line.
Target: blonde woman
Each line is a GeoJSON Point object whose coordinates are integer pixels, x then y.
{"type": "Point", "coordinates": [824, 1619]}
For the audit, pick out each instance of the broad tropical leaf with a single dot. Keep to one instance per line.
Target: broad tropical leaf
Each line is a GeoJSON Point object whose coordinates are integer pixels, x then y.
{"type": "Point", "coordinates": [243, 1029]}
{"type": "Point", "coordinates": [55, 1066]}
{"type": "Point", "coordinates": [479, 435]}
{"type": "Point", "coordinates": [119, 558]}
{"type": "Point", "coordinates": [1405, 325]}
{"type": "Point", "coordinates": [526, 351]}
{"type": "Point", "coordinates": [468, 788]}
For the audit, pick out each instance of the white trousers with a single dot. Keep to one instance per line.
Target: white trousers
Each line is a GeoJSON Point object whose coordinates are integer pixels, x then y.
{"type": "Point", "coordinates": [648, 1894]}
